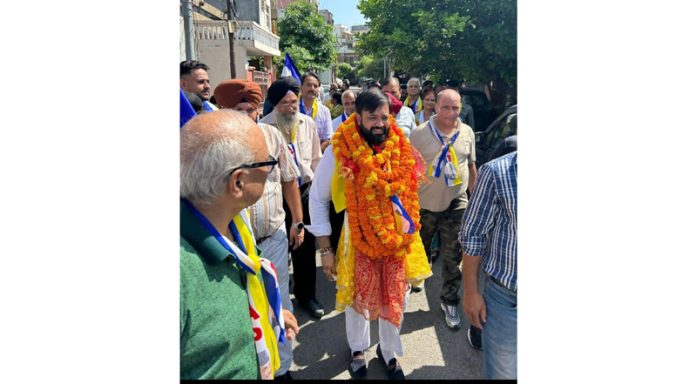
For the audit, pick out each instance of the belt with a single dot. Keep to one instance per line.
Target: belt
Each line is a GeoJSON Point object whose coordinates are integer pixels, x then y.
{"type": "Point", "coordinates": [261, 240]}
{"type": "Point", "coordinates": [500, 284]}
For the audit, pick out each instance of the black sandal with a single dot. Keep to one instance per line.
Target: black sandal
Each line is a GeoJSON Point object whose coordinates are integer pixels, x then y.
{"type": "Point", "coordinates": [358, 365]}
{"type": "Point", "coordinates": [394, 371]}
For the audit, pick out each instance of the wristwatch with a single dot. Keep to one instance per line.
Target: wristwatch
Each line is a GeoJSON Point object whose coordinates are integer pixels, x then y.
{"type": "Point", "coordinates": [299, 226]}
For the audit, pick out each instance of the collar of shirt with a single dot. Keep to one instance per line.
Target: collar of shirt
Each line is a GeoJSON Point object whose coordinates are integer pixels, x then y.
{"type": "Point", "coordinates": [193, 231]}
{"type": "Point", "coordinates": [452, 132]}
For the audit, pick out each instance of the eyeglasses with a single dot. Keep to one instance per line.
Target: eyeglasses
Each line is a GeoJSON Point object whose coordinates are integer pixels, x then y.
{"type": "Point", "coordinates": [272, 161]}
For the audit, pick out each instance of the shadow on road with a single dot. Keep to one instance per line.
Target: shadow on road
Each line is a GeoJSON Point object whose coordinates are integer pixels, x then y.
{"type": "Point", "coordinates": [432, 350]}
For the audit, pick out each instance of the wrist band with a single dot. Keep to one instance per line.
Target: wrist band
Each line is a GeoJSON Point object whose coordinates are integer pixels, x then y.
{"type": "Point", "coordinates": [324, 251]}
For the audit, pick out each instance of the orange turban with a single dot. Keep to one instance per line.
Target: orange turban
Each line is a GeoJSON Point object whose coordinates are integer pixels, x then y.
{"type": "Point", "coordinates": [231, 92]}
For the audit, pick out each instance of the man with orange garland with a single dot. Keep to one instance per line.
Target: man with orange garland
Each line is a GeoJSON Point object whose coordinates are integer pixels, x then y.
{"type": "Point", "coordinates": [372, 172]}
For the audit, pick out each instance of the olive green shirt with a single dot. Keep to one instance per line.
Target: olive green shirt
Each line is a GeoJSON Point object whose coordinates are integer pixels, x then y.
{"type": "Point", "coordinates": [216, 338]}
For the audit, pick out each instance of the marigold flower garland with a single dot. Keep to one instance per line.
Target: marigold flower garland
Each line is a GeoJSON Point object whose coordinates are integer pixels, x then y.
{"type": "Point", "coordinates": [371, 178]}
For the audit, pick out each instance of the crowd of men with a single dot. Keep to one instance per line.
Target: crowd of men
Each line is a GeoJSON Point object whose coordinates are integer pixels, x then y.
{"type": "Point", "coordinates": [376, 183]}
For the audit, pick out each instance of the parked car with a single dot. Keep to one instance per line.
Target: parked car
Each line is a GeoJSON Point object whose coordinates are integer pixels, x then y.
{"type": "Point", "coordinates": [483, 110]}
{"type": "Point", "coordinates": [490, 143]}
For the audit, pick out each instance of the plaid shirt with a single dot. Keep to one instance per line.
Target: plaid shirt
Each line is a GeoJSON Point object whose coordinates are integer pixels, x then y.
{"type": "Point", "coordinates": [489, 224]}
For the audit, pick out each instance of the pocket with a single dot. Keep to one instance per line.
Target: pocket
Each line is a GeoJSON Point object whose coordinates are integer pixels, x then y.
{"type": "Point", "coordinates": [495, 294]}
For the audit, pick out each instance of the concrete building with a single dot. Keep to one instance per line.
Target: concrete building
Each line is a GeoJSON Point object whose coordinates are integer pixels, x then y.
{"type": "Point", "coordinates": [253, 37]}
{"type": "Point", "coordinates": [346, 52]}
{"type": "Point", "coordinates": [327, 15]}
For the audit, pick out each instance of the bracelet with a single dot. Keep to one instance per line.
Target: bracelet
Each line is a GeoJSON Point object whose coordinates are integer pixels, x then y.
{"type": "Point", "coordinates": [324, 251]}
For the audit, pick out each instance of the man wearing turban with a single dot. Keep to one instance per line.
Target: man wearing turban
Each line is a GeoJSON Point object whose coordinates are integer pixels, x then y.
{"type": "Point", "coordinates": [300, 136]}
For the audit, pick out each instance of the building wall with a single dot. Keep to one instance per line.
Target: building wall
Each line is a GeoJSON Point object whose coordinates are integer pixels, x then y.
{"type": "Point", "coordinates": [213, 49]}
{"type": "Point", "coordinates": [248, 10]}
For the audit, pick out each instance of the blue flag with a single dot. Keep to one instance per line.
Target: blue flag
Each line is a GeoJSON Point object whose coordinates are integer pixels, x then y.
{"type": "Point", "coordinates": [186, 111]}
{"type": "Point", "coordinates": [289, 69]}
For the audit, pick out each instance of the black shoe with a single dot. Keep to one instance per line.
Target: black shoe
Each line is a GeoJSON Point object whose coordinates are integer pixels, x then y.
{"type": "Point", "coordinates": [474, 336]}
{"type": "Point", "coordinates": [418, 288]}
{"type": "Point", "coordinates": [394, 371]}
{"type": "Point", "coordinates": [358, 365]}
{"type": "Point", "coordinates": [314, 307]}
{"type": "Point", "coordinates": [284, 377]}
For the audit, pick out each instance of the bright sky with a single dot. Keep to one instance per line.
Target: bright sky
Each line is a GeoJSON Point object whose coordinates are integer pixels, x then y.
{"type": "Point", "coordinates": [344, 11]}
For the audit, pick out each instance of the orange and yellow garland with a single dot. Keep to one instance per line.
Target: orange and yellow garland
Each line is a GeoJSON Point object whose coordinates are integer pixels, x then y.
{"type": "Point", "coordinates": [375, 259]}
{"type": "Point", "coordinates": [374, 178]}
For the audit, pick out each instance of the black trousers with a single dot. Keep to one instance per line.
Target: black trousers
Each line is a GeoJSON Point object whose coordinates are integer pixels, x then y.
{"type": "Point", "coordinates": [303, 258]}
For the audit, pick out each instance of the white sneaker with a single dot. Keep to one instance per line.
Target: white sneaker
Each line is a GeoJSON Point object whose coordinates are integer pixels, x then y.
{"type": "Point", "coordinates": [451, 315]}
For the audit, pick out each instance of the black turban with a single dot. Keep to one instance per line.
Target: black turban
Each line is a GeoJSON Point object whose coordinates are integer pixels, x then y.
{"type": "Point", "coordinates": [280, 88]}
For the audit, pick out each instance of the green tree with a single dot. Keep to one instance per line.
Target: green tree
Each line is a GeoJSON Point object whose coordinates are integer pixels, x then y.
{"type": "Point", "coordinates": [306, 37]}
{"type": "Point", "coordinates": [471, 40]}
{"type": "Point", "coordinates": [343, 70]}
{"type": "Point", "coordinates": [369, 67]}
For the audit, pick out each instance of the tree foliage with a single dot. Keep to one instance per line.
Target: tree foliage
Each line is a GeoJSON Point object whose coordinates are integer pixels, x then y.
{"type": "Point", "coordinates": [471, 40]}
{"type": "Point", "coordinates": [343, 69]}
{"type": "Point", "coordinates": [370, 67]}
{"type": "Point", "coordinates": [306, 37]}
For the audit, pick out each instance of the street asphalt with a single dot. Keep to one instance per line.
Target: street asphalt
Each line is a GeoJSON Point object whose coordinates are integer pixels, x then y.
{"type": "Point", "coordinates": [431, 349]}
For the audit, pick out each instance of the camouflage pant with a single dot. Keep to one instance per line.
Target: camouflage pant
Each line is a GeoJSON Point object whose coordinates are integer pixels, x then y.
{"type": "Point", "coordinates": [448, 223]}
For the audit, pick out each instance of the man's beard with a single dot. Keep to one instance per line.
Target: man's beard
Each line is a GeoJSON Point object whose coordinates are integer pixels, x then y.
{"type": "Point", "coordinates": [287, 120]}
{"type": "Point", "coordinates": [374, 139]}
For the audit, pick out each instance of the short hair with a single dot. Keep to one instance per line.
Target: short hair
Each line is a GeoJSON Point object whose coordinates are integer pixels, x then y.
{"type": "Point", "coordinates": [374, 84]}
{"type": "Point", "coordinates": [370, 101]}
{"type": "Point", "coordinates": [415, 80]}
{"type": "Point", "coordinates": [347, 92]}
{"type": "Point", "coordinates": [309, 73]}
{"type": "Point", "coordinates": [188, 66]}
{"type": "Point", "coordinates": [207, 159]}
{"type": "Point", "coordinates": [336, 97]}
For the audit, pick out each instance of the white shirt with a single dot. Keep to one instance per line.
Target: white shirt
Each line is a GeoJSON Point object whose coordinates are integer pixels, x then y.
{"type": "Point", "coordinates": [323, 121]}
{"type": "Point", "coordinates": [306, 144]}
{"type": "Point", "coordinates": [337, 121]}
{"type": "Point", "coordinates": [320, 195]}
{"type": "Point", "coordinates": [406, 120]}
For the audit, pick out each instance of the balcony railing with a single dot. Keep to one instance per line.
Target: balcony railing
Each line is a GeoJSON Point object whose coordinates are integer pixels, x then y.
{"type": "Point", "coordinates": [251, 31]}
{"type": "Point", "coordinates": [246, 31]}
{"type": "Point", "coordinates": [212, 30]}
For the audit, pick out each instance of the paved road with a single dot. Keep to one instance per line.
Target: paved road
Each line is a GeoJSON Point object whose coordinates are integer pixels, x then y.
{"type": "Point", "coordinates": [432, 350]}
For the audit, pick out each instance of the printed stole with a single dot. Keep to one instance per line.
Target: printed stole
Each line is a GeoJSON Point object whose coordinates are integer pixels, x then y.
{"type": "Point", "coordinates": [446, 162]}
{"type": "Point", "coordinates": [262, 288]}
{"type": "Point", "coordinates": [416, 106]}
{"type": "Point", "coordinates": [313, 112]}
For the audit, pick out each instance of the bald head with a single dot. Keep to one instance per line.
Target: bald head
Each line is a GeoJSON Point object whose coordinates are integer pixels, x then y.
{"type": "Point", "coordinates": [212, 144]}
{"type": "Point", "coordinates": [447, 107]}
{"type": "Point", "coordinates": [450, 94]}
{"type": "Point", "coordinates": [348, 102]}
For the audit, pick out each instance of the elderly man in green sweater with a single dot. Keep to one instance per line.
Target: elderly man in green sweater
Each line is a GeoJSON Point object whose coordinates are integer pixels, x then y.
{"type": "Point", "coordinates": [231, 319]}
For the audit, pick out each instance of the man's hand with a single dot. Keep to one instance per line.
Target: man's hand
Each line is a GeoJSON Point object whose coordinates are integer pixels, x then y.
{"type": "Point", "coordinates": [295, 237]}
{"type": "Point", "coordinates": [328, 264]}
{"type": "Point", "coordinates": [474, 308]}
{"type": "Point", "coordinates": [291, 328]}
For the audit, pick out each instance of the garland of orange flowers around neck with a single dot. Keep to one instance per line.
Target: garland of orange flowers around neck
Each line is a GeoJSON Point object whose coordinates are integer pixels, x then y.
{"type": "Point", "coordinates": [371, 178]}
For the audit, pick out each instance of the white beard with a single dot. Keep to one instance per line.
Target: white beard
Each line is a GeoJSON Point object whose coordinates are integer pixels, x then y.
{"type": "Point", "coordinates": [285, 122]}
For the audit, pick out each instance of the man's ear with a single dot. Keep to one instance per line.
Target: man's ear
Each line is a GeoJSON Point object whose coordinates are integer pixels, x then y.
{"type": "Point", "coordinates": [357, 118]}
{"type": "Point", "coordinates": [235, 185]}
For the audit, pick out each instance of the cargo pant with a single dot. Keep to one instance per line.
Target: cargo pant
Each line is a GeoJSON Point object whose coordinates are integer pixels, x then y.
{"type": "Point", "coordinates": [448, 223]}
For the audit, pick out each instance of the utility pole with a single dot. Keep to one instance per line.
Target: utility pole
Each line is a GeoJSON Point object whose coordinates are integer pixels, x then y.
{"type": "Point", "coordinates": [232, 27]}
{"type": "Point", "coordinates": [187, 11]}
